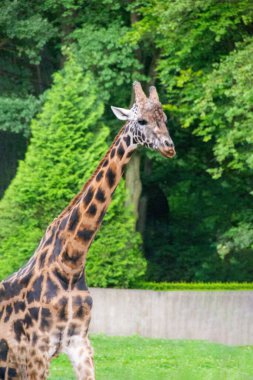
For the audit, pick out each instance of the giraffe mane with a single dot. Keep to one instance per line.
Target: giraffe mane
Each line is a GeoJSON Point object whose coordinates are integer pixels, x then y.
{"type": "Point", "coordinates": [76, 199]}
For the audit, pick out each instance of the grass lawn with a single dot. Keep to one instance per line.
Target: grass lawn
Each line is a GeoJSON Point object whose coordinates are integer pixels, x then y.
{"type": "Point", "coordinates": [135, 358]}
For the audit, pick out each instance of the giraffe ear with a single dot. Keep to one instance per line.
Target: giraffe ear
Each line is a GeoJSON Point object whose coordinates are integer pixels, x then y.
{"type": "Point", "coordinates": [121, 113]}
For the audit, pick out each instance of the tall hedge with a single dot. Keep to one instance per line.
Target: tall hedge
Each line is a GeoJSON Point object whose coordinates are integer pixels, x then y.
{"type": "Point", "coordinates": [68, 141]}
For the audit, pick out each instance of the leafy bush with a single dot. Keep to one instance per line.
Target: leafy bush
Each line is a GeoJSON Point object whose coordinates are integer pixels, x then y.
{"type": "Point", "coordinates": [194, 285]}
{"type": "Point", "coordinates": [67, 142]}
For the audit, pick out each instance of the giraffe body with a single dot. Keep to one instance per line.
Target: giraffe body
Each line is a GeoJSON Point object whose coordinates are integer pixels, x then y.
{"type": "Point", "coordinates": [47, 316]}
{"type": "Point", "coordinates": [45, 307]}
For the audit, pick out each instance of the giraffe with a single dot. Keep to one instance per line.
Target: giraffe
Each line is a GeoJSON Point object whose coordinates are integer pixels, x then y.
{"type": "Point", "coordinates": [45, 307]}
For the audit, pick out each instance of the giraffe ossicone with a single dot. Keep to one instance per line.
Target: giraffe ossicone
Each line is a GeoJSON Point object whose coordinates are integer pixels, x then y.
{"type": "Point", "coordinates": [45, 307]}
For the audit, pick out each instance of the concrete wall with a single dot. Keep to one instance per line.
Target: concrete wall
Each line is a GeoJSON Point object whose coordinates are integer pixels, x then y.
{"type": "Point", "coordinates": [225, 317]}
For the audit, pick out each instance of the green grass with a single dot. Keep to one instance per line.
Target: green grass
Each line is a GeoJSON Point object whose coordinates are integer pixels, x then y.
{"type": "Point", "coordinates": [135, 358]}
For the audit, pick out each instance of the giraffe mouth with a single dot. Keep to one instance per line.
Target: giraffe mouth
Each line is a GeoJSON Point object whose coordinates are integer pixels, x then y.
{"type": "Point", "coordinates": [168, 152]}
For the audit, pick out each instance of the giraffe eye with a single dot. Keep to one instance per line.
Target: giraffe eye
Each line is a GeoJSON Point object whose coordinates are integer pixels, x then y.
{"type": "Point", "coordinates": [142, 122]}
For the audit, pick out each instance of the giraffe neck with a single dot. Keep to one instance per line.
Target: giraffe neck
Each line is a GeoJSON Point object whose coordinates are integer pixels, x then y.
{"type": "Point", "coordinates": [74, 230]}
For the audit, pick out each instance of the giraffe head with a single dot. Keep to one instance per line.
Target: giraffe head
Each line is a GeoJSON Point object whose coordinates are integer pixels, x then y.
{"type": "Point", "coordinates": [147, 121]}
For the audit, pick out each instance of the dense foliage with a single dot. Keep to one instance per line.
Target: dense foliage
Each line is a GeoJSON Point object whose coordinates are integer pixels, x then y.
{"type": "Point", "coordinates": [206, 69]}
{"type": "Point", "coordinates": [67, 142]}
{"type": "Point", "coordinates": [196, 210]}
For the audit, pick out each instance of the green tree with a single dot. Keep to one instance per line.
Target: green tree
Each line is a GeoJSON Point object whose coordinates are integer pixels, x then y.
{"type": "Point", "coordinates": [195, 211]}
{"type": "Point", "coordinates": [205, 67]}
{"type": "Point", "coordinates": [68, 140]}
{"type": "Point", "coordinates": [25, 35]}
{"type": "Point", "coordinates": [101, 50]}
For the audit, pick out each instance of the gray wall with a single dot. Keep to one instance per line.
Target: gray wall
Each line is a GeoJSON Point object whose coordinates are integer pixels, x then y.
{"type": "Point", "coordinates": [218, 316]}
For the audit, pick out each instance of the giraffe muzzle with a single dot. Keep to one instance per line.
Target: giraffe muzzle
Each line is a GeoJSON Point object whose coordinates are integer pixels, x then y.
{"type": "Point", "coordinates": [168, 152]}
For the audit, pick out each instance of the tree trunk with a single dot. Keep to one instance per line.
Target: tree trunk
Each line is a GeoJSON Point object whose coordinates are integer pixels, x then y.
{"type": "Point", "coordinates": [133, 183]}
